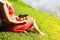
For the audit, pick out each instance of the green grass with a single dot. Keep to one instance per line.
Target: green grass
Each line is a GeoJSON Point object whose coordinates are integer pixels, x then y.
{"type": "Point", "coordinates": [47, 23]}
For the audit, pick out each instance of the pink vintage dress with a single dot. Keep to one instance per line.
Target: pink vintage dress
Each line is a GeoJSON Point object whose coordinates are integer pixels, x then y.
{"type": "Point", "coordinates": [15, 27]}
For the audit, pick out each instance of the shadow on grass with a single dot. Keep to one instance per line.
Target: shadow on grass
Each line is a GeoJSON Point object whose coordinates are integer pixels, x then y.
{"type": "Point", "coordinates": [2, 29]}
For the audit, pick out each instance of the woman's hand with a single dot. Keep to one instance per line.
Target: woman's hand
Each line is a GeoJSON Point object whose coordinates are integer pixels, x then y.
{"type": "Point", "coordinates": [17, 22]}
{"type": "Point", "coordinates": [24, 21]}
